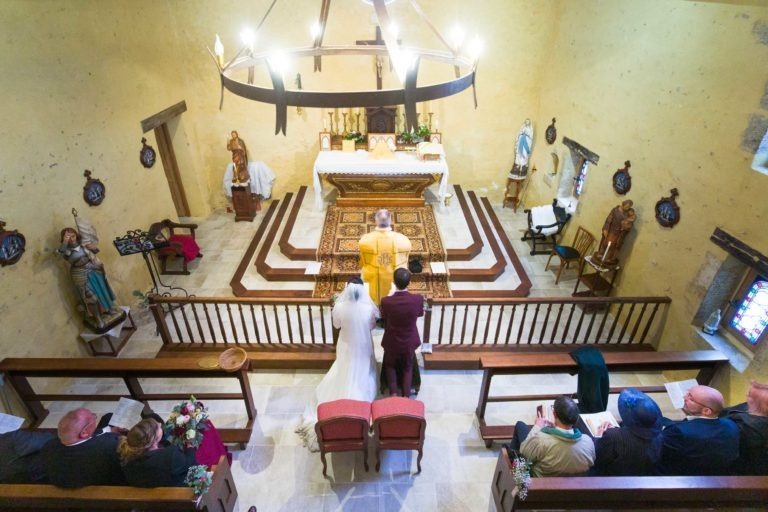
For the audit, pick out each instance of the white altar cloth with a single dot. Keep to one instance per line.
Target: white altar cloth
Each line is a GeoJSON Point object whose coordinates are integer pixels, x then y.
{"type": "Point", "coordinates": [262, 178]}
{"type": "Point", "coordinates": [340, 162]}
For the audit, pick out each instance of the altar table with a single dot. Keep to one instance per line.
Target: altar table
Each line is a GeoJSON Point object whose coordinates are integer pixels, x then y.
{"type": "Point", "coordinates": [402, 177]}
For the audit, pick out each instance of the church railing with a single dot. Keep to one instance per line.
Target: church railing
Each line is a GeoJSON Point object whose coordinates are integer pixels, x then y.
{"type": "Point", "coordinates": [447, 322]}
{"type": "Point", "coordinates": [235, 320]}
{"type": "Point", "coordinates": [544, 321]}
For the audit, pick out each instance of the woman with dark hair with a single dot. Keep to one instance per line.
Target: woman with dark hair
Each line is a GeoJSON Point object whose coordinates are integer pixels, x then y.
{"type": "Point", "coordinates": [353, 374]}
{"type": "Point", "coordinates": [629, 450]}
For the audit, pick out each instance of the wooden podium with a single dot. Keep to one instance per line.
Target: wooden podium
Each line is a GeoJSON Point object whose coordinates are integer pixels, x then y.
{"type": "Point", "coordinates": [243, 202]}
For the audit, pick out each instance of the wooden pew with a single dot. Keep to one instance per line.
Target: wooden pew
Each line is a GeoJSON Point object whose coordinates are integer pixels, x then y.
{"type": "Point", "coordinates": [18, 371]}
{"type": "Point", "coordinates": [221, 496]}
{"type": "Point", "coordinates": [706, 361]}
{"type": "Point", "coordinates": [637, 492]}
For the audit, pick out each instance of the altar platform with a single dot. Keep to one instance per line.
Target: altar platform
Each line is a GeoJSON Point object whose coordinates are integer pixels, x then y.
{"type": "Point", "coordinates": [364, 180]}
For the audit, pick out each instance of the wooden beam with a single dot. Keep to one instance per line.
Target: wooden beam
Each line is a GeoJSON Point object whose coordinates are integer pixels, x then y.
{"type": "Point", "coordinates": [163, 116]}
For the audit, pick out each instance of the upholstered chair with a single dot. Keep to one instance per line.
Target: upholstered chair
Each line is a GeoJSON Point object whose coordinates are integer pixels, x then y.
{"type": "Point", "coordinates": [398, 424]}
{"type": "Point", "coordinates": [342, 426]}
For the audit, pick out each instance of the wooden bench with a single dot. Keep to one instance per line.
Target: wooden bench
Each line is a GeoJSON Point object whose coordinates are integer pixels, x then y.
{"type": "Point", "coordinates": [18, 371]}
{"type": "Point", "coordinates": [636, 492]}
{"type": "Point", "coordinates": [221, 496]}
{"type": "Point", "coordinates": [275, 356]}
{"type": "Point", "coordinates": [706, 361]}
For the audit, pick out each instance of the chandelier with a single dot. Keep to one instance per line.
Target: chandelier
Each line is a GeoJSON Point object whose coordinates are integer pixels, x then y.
{"type": "Point", "coordinates": [404, 60]}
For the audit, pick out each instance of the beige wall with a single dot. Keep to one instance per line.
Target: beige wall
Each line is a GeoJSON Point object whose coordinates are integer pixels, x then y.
{"type": "Point", "coordinates": [669, 85]}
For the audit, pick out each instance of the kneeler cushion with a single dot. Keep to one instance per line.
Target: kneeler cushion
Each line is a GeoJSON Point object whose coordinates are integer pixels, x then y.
{"type": "Point", "coordinates": [189, 248]}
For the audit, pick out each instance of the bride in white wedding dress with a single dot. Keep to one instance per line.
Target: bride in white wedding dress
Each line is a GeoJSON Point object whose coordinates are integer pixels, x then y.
{"type": "Point", "coordinates": [353, 374]}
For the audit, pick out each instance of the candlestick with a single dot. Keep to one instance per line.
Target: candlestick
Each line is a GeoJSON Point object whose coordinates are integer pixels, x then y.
{"type": "Point", "coordinates": [330, 115]}
{"type": "Point", "coordinates": [430, 121]}
{"type": "Point", "coordinates": [357, 127]}
{"type": "Point", "coordinates": [344, 114]}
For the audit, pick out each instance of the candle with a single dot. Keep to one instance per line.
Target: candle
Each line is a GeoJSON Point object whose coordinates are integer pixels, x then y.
{"type": "Point", "coordinates": [325, 125]}
{"type": "Point", "coordinates": [437, 126]}
{"type": "Point", "coordinates": [605, 254]}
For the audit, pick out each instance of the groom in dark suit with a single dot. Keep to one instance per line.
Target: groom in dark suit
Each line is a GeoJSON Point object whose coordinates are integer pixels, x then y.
{"type": "Point", "coordinates": [401, 337]}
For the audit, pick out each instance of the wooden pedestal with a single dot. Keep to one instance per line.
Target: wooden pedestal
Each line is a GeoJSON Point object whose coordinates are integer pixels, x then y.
{"type": "Point", "coordinates": [512, 193]}
{"type": "Point", "coordinates": [393, 190]}
{"type": "Point", "coordinates": [243, 203]}
{"type": "Point", "coordinates": [107, 346]}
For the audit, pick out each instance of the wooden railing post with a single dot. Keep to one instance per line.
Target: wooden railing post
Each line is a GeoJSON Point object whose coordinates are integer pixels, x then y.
{"type": "Point", "coordinates": [159, 316]}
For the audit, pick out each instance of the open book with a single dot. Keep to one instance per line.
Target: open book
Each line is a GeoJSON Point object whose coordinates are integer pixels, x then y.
{"type": "Point", "coordinates": [546, 411]}
{"type": "Point", "coordinates": [594, 420]}
{"type": "Point", "coordinates": [677, 390]}
{"type": "Point", "coordinates": [126, 414]}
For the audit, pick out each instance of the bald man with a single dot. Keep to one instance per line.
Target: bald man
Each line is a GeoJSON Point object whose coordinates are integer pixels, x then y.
{"type": "Point", "coordinates": [752, 419]}
{"type": "Point", "coordinates": [83, 454]}
{"type": "Point", "coordinates": [703, 443]}
{"type": "Point", "coordinates": [381, 252]}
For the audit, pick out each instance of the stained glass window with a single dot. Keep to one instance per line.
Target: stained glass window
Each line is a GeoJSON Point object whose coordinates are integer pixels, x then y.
{"type": "Point", "coordinates": [751, 316]}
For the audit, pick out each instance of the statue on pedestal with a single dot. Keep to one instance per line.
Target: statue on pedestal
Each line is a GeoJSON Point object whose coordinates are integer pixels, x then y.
{"type": "Point", "coordinates": [381, 252]}
{"type": "Point", "coordinates": [235, 143]}
{"type": "Point", "coordinates": [96, 298]}
{"type": "Point", "coordinates": [618, 223]}
{"type": "Point", "coordinates": [523, 147]}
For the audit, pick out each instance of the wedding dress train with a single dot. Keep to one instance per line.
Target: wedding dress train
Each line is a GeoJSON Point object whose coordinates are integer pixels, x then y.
{"type": "Point", "coordinates": [353, 374]}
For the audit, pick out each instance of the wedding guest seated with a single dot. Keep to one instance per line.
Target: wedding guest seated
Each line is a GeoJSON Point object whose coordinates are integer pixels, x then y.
{"type": "Point", "coordinates": [702, 444]}
{"type": "Point", "coordinates": [751, 418]}
{"type": "Point", "coordinates": [83, 454]}
{"type": "Point", "coordinates": [20, 458]}
{"type": "Point", "coordinates": [556, 448]}
{"type": "Point", "coordinates": [147, 461]}
{"type": "Point", "coordinates": [629, 450]}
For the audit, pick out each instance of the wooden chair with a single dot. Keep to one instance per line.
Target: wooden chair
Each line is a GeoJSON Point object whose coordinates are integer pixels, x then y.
{"type": "Point", "coordinates": [342, 426]}
{"type": "Point", "coordinates": [181, 246]}
{"type": "Point", "coordinates": [582, 243]}
{"type": "Point", "coordinates": [545, 221]}
{"type": "Point", "coordinates": [398, 424]}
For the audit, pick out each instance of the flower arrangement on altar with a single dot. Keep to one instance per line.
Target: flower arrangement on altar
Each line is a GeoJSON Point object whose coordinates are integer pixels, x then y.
{"type": "Point", "coordinates": [355, 136]}
{"type": "Point", "coordinates": [185, 425]}
{"type": "Point", "coordinates": [521, 472]}
{"type": "Point", "coordinates": [199, 479]}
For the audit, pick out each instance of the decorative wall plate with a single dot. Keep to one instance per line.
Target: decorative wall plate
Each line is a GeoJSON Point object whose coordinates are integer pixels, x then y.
{"type": "Point", "coordinates": [147, 155]}
{"type": "Point", "coordinates": [551, 132]}
{"type": "Point", "coordinates": [622, 181]}
{"type": "Point", "coordinates": [12, 245]}
{"type": "Point", "coordinates": [93, 191]}
{"type": "Point", "coordinates": [667, 211]}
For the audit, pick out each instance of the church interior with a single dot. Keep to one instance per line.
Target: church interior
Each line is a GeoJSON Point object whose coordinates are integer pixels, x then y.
{"type": "Point", "coordinates": [676, 87]}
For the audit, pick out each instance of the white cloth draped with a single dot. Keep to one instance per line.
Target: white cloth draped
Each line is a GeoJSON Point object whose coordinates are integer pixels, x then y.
{"type": "Point", "coordinates": [359, 162]}
{"type": "Point", "coordinates": [262, 178]}
{"type": "Point", "coordinates": [353, 374]}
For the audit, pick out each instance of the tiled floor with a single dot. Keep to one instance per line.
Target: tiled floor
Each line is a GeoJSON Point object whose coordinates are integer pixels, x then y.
{"type": "Point", "coordinates": [276, 473]}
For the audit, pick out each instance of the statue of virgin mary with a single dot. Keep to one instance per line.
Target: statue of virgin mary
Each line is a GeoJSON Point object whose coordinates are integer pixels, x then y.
{"type": "Point", "coordinates": [523, 150]}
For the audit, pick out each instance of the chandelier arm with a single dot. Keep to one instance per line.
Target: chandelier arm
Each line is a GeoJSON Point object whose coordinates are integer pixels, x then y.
{"type": "Point", "coordinates": [324, 9]}
{"type": "Point", "coordinates": [410, 97]}
{"type": "Point", "coordinates": [420, 12]}
{"type": "Point", "coordinates": [474, 87]}
{"type": "Point", "coordinates": [382, 16]}
{"type": "Point", "coordinates": [281, 107]}
{"type": "Point", "coordinates": [264, 18]}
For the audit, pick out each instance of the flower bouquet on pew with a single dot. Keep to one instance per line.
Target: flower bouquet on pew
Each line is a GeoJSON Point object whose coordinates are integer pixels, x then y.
{"type": "Point", "coordinates": [184, 427]}
{"type": "Point", "coordinates": [521, 473]}
{"type": "Point", "coordinates": [199, 479]}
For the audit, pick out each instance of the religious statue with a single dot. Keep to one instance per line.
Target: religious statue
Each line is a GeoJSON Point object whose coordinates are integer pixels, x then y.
{"type": "Point", "coordinates": [239, 159]}
{"type": "Point", "coordinates": [381, 252]}
{"type": "Point", "coordinates": [615, 229]}
{"type": "Point", "coordinates": [523, 150]}
{"type": "Point", "coordinates": [237, 144]}
{"type": "Point", "coordinates": [96, 298]}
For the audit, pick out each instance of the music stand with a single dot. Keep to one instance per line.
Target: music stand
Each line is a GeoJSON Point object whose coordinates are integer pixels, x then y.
{"type": "Point", "coordinates": [138, 241]}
